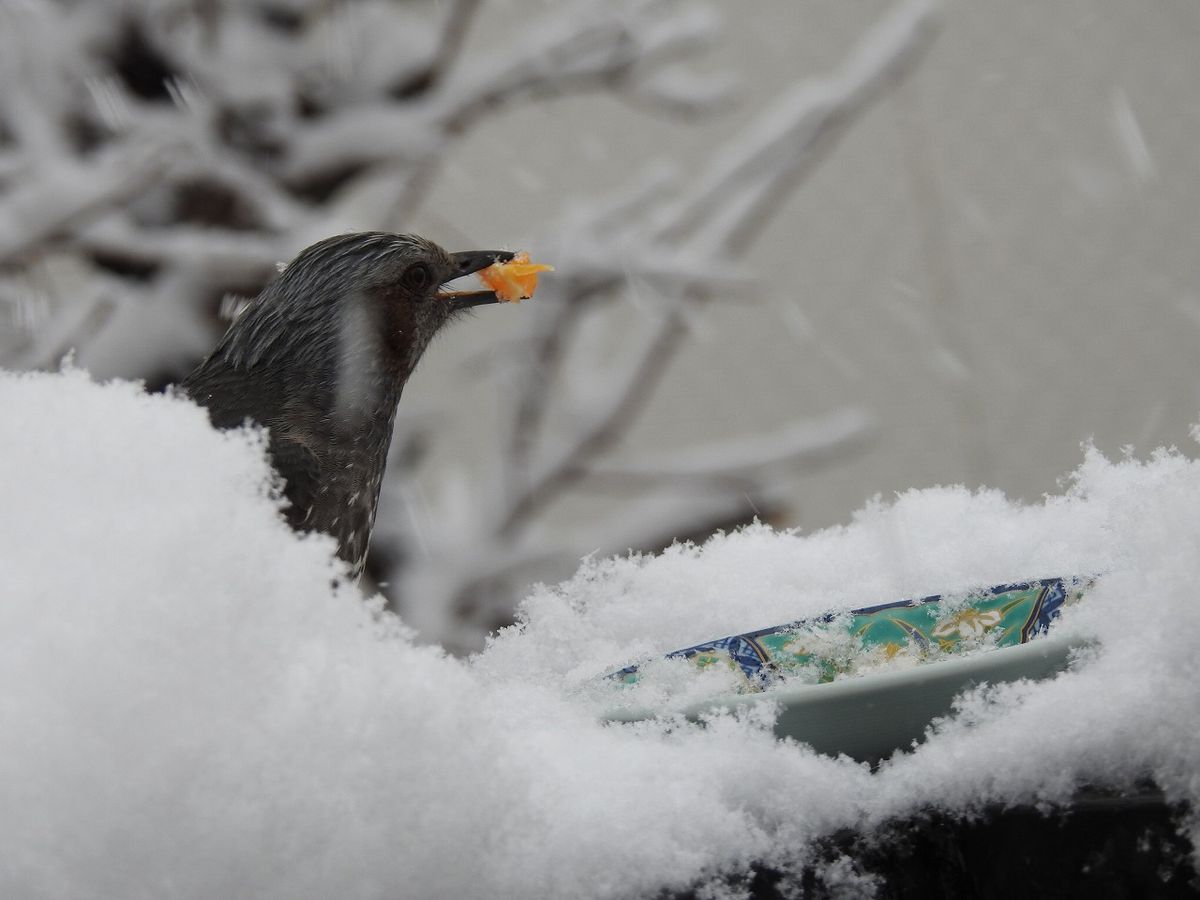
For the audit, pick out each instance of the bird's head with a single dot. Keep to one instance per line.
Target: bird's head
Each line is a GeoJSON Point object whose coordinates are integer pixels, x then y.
{"type": "Point", "coordinates": [403, 278]}
{"type": "Point", "coordinates": [352, 314]}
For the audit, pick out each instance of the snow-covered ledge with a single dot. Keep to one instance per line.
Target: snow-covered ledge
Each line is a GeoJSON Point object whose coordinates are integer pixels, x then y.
{"type": "Point", "coordinates": [196, 705]}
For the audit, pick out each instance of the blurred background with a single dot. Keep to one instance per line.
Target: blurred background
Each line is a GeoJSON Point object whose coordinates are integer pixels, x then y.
{"type": "Point", "coordinates": [808, 251]}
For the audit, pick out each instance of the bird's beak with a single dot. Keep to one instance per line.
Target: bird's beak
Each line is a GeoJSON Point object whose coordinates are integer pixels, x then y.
{"type": "Point", "coordinates": [467, 262]}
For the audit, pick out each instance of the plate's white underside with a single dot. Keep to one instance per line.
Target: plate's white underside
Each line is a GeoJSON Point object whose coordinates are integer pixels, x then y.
{"type": "Point", "coordinates": [870, 717]}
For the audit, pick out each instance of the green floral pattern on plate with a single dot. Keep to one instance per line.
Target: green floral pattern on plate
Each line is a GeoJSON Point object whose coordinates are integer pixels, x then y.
{"type": "Point", "coordinates": [899, 634]}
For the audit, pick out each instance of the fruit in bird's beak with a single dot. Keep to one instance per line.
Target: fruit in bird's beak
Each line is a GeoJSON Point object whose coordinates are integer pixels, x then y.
{"type": "Point", "coordinates": [515, 280]}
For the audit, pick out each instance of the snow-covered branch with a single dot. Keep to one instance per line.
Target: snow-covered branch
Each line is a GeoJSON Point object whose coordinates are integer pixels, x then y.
{"type": "Point", "coordinates": [685, 249]}
{"type": "Point", "coordinates": [149, 140]}
{"type": "Point", "coordinates": [735, 197]}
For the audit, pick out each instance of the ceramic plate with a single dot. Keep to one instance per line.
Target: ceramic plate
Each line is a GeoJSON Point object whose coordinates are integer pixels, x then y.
{"type": "Point", "coordinates": [868, 682]}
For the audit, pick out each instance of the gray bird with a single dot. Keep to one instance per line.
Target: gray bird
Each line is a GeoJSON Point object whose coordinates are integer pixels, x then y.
{"type": "Point", "coordinates": [321, 357]}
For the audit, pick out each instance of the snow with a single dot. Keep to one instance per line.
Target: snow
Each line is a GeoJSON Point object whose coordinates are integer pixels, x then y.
{"type": "Point", "coordinates": [1131, 138]}
{"type": "Point", "coordinates": [196, 704]}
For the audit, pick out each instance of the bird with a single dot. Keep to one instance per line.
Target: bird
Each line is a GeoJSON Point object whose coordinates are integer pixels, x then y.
{"type": "Point", "coordinates": [320, 358]}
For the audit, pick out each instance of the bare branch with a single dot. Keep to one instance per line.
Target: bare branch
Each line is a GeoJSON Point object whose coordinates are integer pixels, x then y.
{"type": "Point", "coordinates": [606, 428]}
{"type": "Point", "coordinates": [454, 34]}
{"type": "Point", "coordinates": [803, 444]}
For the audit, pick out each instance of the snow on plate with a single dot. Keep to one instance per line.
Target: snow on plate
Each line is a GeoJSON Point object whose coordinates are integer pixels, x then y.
{"type": "Point", "coordinates": [194, 703]}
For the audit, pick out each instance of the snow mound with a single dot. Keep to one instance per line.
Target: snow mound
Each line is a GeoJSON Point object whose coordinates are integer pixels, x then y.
{"type": "Point", "coordinates": [195, 704]}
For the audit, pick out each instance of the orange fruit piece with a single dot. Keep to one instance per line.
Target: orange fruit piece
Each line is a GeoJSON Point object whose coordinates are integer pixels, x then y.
{"type": "Point", "coordinates": [514, 280]}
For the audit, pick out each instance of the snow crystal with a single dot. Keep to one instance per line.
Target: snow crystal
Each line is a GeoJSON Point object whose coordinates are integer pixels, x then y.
{"type": "Point", "coordinates": [196, 704]}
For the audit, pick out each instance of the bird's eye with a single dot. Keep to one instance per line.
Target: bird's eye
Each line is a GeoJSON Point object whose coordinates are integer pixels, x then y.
{"type": "Point", "coordinates": [418, 276]}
